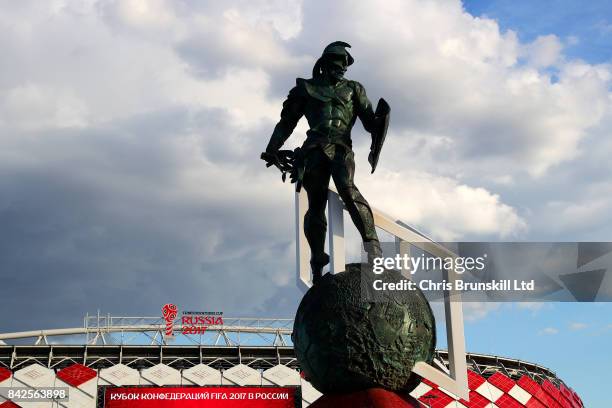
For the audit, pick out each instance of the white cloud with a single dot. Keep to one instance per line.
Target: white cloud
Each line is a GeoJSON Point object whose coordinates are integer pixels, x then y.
{"type": "Point", "coordinates": [449, 210]}
{"type": "Point", "coordinates": [164, 106]}
{"type": "Point", "coordinates": [544, 51]}
{"type": "Point", "coordinates": [549, 331]}
{"type": "Point", "coordinates": [31, 107]}
{"type": "Point", "coordinates": [588, 211]}
{"type": "Point", "coordinates": [463, 81]}
{"type": "Point", "coordinates": [141, 13]}
{"type": "Point", "coordinates": [473, 311]}
{"type": "Point", "coordinates": [578, 326]}
{"type": "Point", "coordinates": [533, 306]}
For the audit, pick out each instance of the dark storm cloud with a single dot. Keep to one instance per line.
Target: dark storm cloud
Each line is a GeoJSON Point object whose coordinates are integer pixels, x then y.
{"type": "Point", "coordinates": [101, 224]}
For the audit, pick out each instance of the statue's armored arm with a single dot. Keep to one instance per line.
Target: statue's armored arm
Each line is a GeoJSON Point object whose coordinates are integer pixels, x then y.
{"type": "Point", "coordinates": [375, 122]}
{"type": "Point", "coordinates": [365, 113]}
{"type": "Point", "coordinates": [293, 109]}
{"type": "Point", "coordinates": [363, 107]}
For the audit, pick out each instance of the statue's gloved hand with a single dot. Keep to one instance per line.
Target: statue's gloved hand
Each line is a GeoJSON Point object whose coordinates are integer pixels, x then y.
{"type": "Point", "coordinates": [282, 159]}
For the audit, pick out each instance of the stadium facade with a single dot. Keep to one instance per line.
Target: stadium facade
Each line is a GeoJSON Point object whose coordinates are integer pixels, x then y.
{"type": "Point", "coordinates": [134, 352]}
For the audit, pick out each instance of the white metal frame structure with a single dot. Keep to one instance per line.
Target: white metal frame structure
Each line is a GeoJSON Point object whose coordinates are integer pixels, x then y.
{"type": "Point", "coordinates": [455, 380]}
{"type": "Point", "coordinates": [119, 330]}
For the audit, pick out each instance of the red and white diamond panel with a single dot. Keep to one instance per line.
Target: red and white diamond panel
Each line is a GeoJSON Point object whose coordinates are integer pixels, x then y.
{"type": "Point", "coordinates": [83, 385]}
{"type": "Point", "coordinates": [499, 391]}
{"type": "Point", "coordinates": [201, 375]}
{"type": "Point", "coordinates": [5, 381]}
{"type": "Point", "coordinates": [161, 375]}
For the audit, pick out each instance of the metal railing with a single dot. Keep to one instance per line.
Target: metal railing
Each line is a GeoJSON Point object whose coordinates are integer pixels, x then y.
{"type": "Point", "coordinates": [454, 378]}
{"type": "Point", "coordinates": [140, 330]}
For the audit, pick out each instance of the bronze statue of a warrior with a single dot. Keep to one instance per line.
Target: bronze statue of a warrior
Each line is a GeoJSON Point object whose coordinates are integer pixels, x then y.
{"type": "Point", "coordinates": [331, 104]}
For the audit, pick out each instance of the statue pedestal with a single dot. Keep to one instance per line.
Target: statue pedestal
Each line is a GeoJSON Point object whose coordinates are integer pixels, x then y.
{"type": "Point", "coordinates": [370, 398]}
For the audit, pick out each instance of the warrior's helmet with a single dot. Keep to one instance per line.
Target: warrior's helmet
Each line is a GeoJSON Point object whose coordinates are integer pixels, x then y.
{"type": "Point", "coordinates": [335, 53]}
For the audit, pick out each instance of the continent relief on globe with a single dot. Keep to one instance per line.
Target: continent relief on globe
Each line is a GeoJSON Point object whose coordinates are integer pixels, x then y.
{"type": "Point", "coordinates": [346, 340]}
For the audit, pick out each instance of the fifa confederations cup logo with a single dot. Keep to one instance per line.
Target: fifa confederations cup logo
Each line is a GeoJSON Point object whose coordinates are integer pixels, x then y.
{"type": "Point", "coordinates": [169, 312]}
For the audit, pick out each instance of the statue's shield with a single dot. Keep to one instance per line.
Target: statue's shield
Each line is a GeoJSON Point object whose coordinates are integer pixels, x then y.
{"type": "Point", "coordinates": [382, 114]}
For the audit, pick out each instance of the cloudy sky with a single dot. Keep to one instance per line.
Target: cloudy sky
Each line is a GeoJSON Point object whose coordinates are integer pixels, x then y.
{"type": "Point", "coordinates": [130, 134]}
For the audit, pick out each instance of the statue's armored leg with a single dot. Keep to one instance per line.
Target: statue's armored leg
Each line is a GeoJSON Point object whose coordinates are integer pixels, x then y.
{"type": "Point", "coordinates": [343, 172]}
{"type": "Point", "coordinates": [316, 184]}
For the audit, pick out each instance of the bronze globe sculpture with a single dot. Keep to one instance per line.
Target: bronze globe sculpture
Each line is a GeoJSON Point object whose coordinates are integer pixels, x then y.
{"type": "Point", "coordinates": [346, 342]}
